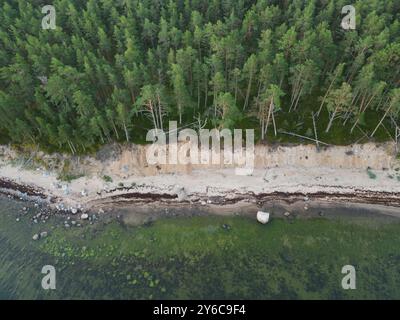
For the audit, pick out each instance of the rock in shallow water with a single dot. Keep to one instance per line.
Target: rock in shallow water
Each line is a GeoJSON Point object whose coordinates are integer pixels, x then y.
{"type": "Point", "coordinates": [263, 217]}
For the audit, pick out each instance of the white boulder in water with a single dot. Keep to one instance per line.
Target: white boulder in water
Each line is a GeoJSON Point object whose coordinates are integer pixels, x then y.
{"type": "Point", "coordinates": [263, 217]}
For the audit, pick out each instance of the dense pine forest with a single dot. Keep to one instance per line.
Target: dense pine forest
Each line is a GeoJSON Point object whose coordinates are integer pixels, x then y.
{"type": "Point", "coordinates": [113, 69]}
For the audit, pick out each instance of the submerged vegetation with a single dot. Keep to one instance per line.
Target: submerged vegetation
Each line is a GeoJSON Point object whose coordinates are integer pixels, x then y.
{"type": "Point", "coordinates": [111, 70]}
{"type": "Point", "coordinates": [200, 257]}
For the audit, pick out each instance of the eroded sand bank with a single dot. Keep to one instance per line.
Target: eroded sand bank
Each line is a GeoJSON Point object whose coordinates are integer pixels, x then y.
{"type": "Point", "coordinates": [365, 173]}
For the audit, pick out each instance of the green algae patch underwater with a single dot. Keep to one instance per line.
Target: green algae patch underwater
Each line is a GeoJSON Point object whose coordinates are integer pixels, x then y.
{"type": "Point", "coordinates": [201, 257]}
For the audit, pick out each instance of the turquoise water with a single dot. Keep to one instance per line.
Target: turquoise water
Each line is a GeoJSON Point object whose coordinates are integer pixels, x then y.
{"type": "Point", "coordinates": [198, 258]}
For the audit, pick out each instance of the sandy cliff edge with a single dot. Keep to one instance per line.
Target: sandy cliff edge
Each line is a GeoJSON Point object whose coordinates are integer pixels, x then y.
{"type": "Point", "coordinates": [337, 173]}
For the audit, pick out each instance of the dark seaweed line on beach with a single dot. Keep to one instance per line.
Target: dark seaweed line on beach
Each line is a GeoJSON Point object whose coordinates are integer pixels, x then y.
{"type": "Point", "coordinates": [6, 185]}
{"type": "Point", "coordinates": [358, 196]}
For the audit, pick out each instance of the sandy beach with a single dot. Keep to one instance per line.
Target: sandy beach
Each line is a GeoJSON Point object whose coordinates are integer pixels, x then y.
{"type": "Point", "coordinates": [354, 174]}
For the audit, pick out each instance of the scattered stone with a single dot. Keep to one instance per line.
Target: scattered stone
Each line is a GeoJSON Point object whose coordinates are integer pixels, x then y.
{"type": "Point", "coordinates": [17, 219]}
{"type": "Point", "coordinates": [263, 217]}
{"type": "Point", "coordinates": [24, 209]}
{"type": "Point", "coordinates": [35, 221]}
{"type": "Point", "coordinates": [43, 234]}
{"type": "Point", "coordinates": [67, 225]}
{"type": "Point", "coordinates": [203, 203]}
{"type": "Point", "coordinates": [84, 216]}
{"type": "Point", "coordinates": [73, 222]}
{"type": "Point", "coordinates": [306, 198]}
{"type": "Point", "coordinates": [226, 226]}
{"type": "Point", "coordinates": [209, 201]}
{"type": "Point", "coordinates": [60, 207]}
{"type": "Point", "coordinates": [321, 214]}
{"type": "Point", "coordinates": [101, 211]}
{"type": "Point", "coordinates": [74, 210]}
{"type": "Point", "coordinates": [35, 237]}
{"type": "Point", "coordinates": [305, 207]}
{"type": "Point", "coordinates": [84, 193]}
{"type": "Point", "coordinates": [286, 214]}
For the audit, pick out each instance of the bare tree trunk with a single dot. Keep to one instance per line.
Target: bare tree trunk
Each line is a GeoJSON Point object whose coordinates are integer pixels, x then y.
{"type": "Point", "coordinates": [160, 112]}
{"type": "Point", "coordinates": [331, 120]}
{"type": "Point", "coordinates": [326, 95]}
{"type": "Point", "coordinates": [155, 122]}
{"type": "Point", "coordinates": [273, 122]}
{"type": "Point", "coordinates": [269, 114]}
{"type": "Point", "coordinates": [298, 98]}
{"type": "Point", "coordinates": [380, 122]}
{"type": "Point", "coordinates": [126, 132]}
{"type": "Point", "coordinates": [315, 129]}
{"type": "Point", "coordinates": [115, 129]}
{"type": "Point", "coordinates": [262, 129]}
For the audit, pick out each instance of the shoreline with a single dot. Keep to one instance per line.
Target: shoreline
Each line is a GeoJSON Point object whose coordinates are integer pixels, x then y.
{"type": "Point", "coordinates": [246, 203]}
{"type": "Point", "coordinates": [134, 195]}
{"type": "Point", "coordinates": [336, 175]}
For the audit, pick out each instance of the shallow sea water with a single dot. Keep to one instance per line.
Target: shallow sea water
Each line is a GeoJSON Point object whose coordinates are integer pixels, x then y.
{"type": "Point", "coordinates": [200, 257]}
